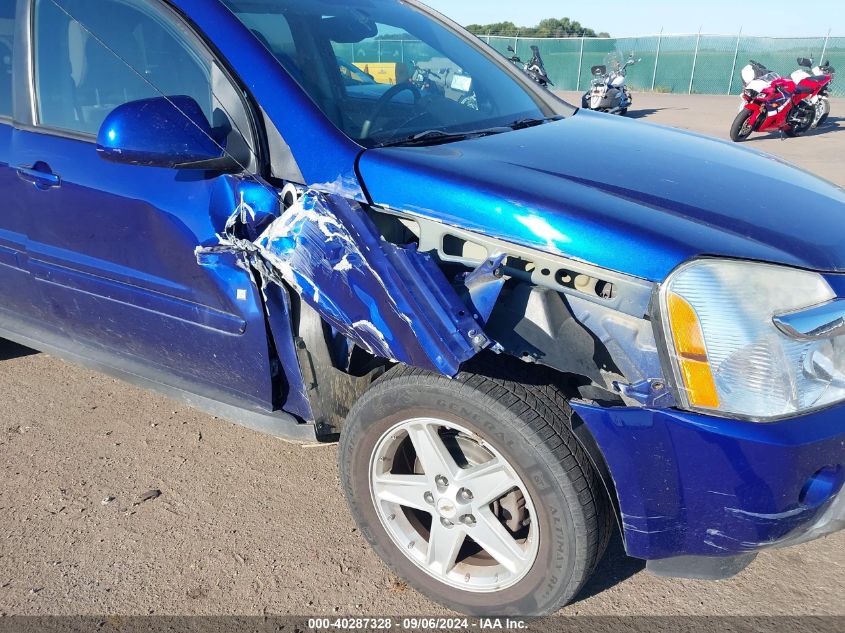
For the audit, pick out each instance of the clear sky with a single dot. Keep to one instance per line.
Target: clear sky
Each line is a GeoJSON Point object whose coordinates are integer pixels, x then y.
{"type": "Point", "coordinates": [775, 18]}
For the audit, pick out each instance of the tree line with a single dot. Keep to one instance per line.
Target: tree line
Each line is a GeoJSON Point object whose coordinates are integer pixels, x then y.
{"type": "Point", "coordinates": [550, 27]}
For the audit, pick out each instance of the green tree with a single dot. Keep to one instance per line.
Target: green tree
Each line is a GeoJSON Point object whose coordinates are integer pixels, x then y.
{"type": "Point", "coordinates": [550, 27]}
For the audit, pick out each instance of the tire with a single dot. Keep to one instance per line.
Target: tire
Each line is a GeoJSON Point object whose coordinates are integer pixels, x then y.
{"type": "Point", "coordinates": [824, 117]}
{"type": "Point", "coordinates": [623, 112]}
{"type": "Point", "coordinates": [527, 426]}
{"type": "Point", "coordinates": [741, 128]}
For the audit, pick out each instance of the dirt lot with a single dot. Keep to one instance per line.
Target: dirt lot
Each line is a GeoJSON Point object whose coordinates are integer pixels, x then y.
{"type": "Point", "coordinates": [246, 524]}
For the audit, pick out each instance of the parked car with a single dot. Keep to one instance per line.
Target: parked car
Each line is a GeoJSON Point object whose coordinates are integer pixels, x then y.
{"type": "Point", "coordinates": [520, 349]}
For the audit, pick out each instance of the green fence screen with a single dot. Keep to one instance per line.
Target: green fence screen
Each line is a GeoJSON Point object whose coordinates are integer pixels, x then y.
{"type": "Point", "coordinates": [702, 64]}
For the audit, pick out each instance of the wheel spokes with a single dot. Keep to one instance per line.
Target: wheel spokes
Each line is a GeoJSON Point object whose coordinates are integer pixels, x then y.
{"type": "Point", "coordinates": [443, 546]}
{"type": "Point", "coordinates": [431, 451]}
{"type": "Point", "coordinates": [434, 485]}
{"type": "Point", "coordinates": [489, 481]}
{"type": "Point", "coordinates": [495, 539]}
{"type": "Point", "coordinates": [404, 490]}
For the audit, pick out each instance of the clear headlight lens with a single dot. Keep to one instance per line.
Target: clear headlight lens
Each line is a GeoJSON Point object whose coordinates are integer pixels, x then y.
{"type": "Point", "coordinates": [727, 352]}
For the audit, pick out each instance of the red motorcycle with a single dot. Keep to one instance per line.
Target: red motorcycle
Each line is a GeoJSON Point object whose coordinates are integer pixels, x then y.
{"type": "Point", "coordinates": [774, 103]}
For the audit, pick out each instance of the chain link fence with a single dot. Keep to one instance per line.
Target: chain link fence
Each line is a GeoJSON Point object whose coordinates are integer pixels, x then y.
{"type": "Point", "coordinates": [691, 64]}
{"type": "Point", "coordinates": [688, 64]}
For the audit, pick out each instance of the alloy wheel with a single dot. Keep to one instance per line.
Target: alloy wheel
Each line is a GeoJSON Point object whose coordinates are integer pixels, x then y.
{"type": "Point", "coordinates": [454, 505]}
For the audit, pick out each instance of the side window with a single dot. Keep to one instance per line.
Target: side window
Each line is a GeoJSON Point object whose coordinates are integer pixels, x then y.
{"type": "Point", "coordinates": [7, 32]}
{"type": "Point", "coordinates": [94, 55]}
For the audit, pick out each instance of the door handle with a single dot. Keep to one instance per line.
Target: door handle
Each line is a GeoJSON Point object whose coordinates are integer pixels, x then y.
{"type": "Point", "coordinates": [40, 175]}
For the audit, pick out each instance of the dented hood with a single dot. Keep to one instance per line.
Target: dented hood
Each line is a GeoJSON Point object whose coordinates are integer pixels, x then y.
{"type": "Point", "coordinates": [625, 195]}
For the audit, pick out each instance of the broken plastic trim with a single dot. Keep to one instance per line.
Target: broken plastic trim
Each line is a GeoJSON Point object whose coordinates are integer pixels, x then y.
{"type": "Point", "coordinates": [391, 301]}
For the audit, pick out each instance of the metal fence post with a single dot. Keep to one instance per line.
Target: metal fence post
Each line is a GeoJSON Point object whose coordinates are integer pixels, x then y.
{"type": "Point", "coordinates": [580, 65]}
{"type": "Point", "coordinates": [695, 60]}
{"type": "Point", "coordinates": [736, 57]}
{"type": "Point", "coordinates": [379, 51]}
{"type": "Point", "coordinates": [656, 59]}
{"type": "Point", "coordinates": [824, 50]}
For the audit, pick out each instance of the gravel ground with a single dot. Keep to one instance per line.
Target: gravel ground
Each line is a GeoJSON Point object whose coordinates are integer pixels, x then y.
{"type": "Point", "coordinates": [246, 524]}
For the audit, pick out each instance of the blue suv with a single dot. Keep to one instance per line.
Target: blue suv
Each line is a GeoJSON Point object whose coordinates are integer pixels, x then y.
{"type": "Point", "coordinates": [527, 324]}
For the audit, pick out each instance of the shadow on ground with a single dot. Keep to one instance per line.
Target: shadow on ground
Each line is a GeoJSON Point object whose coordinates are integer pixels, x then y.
{"type": "Point", "coordinates": [615, 567]}
{"type": "Point", "coordinates": [9, 350]}
{"type": "Point", "coordinates": [645, 112]}
{"type": "Point", "coordinates": [833, 124]}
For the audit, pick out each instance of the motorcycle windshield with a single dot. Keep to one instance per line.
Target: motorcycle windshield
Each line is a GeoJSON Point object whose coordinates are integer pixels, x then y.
{"type": "Point", "coordinates": [613, 62]}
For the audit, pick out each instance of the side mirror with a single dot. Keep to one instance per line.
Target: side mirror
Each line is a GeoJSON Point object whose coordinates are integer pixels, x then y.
{"type": "Point", "coordinates": [806, 63]}
{"type": "Point", "coordinates": [170, 132]}
{"type": "Point", "coordinates": [510, 49]}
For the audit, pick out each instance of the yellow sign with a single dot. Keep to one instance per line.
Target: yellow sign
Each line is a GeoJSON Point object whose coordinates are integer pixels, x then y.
{"type": "Point", "coordinates": [383, 73]}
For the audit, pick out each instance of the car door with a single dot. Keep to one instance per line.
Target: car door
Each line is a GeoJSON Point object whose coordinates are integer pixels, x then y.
{"type": "Point", "coordinates": [16, 290]}
{"type": "Point", "coordinates": [111, 246]}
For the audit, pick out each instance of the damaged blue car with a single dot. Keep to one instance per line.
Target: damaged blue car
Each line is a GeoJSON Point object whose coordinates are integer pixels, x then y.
{"type": "Point", "coordinates": [522, 344]}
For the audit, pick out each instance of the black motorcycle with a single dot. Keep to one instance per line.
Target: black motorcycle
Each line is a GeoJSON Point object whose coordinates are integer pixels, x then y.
{"type": "Point", "coordinates": [535, 68]}
{"type": "Point", "coordinates": [429, 82]}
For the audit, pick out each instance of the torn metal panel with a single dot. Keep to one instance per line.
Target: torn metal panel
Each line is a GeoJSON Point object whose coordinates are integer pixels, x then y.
{"type": "Point", "coordinates": [393, 302]}
{"type": "Point", "coordinates": [243, 208]}
{"type": "Point", "coordinates": [255, 207]}
{"type": "Point", "coordinates": [292, 393]}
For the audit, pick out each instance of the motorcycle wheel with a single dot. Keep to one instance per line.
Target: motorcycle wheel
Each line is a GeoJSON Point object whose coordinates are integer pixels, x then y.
{"type": "Point", "coordinates": [585, 102]}
{"type": "Point", "coordinates": [741, 128]}
{"type": "Point", "coordinates": [823, 118]}
{"type": "Point", "coordinates": [623, 112]}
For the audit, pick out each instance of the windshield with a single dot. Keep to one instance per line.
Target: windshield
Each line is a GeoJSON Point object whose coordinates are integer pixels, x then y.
{"type": "Point", "coordinates": [384, 72]}
{"type": "Point", "coordinates": [613, 62]}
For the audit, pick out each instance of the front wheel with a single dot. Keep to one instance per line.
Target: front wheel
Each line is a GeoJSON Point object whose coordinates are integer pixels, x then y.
{"type": "Point", "coordinates": [742, 128]}
{"type": "Point", "coordinates": [474, 490]}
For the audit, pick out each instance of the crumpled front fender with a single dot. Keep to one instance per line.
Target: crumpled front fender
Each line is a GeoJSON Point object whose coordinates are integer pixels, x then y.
{"type": "Point", "coordinates": [391, 301]}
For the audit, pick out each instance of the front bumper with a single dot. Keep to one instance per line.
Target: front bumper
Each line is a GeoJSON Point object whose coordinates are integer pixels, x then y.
{"type": "Point", "coordinates": [691, 485]}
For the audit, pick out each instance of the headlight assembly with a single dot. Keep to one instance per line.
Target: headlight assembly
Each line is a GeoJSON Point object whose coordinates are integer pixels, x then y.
{"type": "Point", "coordinates": [751, 340]}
